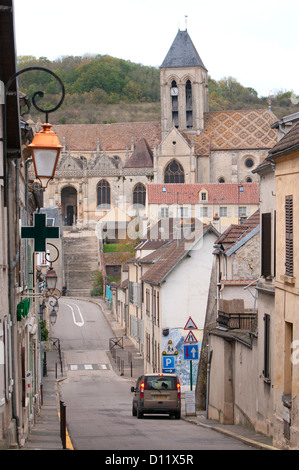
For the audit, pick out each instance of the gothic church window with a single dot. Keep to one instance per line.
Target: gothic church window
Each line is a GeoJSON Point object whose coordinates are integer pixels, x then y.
{"type": "Point", "coordinates": [103, 194]}
{"type": "Point", "coordinates": [174, 173]}
{"type": "Point", "coordinates": [139, 194]}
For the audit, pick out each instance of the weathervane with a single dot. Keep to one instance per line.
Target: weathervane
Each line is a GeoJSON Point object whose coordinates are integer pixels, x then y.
{"type": "Point", "coordinates": [186, 21]}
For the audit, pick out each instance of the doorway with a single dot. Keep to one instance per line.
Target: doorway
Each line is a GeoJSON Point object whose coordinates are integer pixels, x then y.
{"type": "Point", "coordinates": [69, 205]}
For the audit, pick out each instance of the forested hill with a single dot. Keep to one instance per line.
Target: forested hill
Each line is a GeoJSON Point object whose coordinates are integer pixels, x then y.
{"type": "Point", "coordinates": [106, 89]}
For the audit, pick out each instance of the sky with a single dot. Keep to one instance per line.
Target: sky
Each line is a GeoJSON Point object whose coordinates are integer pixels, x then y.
{"type": "Point", "coordinates": [256, 42]}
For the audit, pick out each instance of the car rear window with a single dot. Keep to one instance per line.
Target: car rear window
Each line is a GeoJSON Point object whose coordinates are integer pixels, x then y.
{"type": "Point", "coordinates": [160, 383]}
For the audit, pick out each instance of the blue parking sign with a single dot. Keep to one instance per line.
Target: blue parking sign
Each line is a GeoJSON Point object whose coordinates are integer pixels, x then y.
{"type": "Point", "coordinates": [168, 364]}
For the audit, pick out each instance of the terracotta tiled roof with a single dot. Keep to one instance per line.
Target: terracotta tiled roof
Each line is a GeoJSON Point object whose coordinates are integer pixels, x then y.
{"type": "Point", "coordinates": [245, 129]}
{"type": "Point", "coordinates": [288, 143]}
{"type": "Point", "coordinates": [235, 233]}
{"type": "Point", "coordinates": [227, 193]}
{"type": "Point", "coordinates": [117, 136]}
{"type": "Point", "coordinates": [142, 157]}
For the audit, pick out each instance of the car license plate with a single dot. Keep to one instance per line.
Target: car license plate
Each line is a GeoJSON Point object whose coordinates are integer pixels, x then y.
{"type": "Point", "coordinates": [158, 397]}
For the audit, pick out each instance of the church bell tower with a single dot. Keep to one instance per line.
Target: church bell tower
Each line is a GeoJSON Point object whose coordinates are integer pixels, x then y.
{"type": "Point", "coordinates": [184, 87]}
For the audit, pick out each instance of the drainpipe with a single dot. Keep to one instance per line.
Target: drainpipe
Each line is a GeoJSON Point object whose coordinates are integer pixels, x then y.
{"type": "Point", "coordinates": [13, 261]}
{"type": "Point", "coordinates": [153, 330]}
{"type": "Point", "coordinates": [208, 382]}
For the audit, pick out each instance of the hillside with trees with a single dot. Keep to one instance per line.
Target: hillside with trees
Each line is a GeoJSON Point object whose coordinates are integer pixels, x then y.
{"type": "Point", "coordinates": [104, 89]}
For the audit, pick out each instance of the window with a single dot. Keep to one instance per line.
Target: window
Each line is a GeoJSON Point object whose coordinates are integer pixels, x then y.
{"type": "Point", "coordinates": [184, 212]}
{"type": "Point", "coordinates": [147, 302]}
{"type": "Point", "coordinates": [221, 180]}
{"type": "Point", "coordinates": [242, 212]}
{"type": "Point", "coordinates": [139, 194]}
{"type": "Point", "coordinates": [135, 293]}
{"type": "Point", "coordinates": [249, 162]}
{"type": "Point", "coordinates": [266, 370]}
{"type": "Point", "coordinates": [189, 119]}
{"type": "Point", "coordinates": [174, 173]}
{"type": "Point", "coordinates": [164, 212]}
{"type": "Point", "coordinates": [103, 194]}
{"type": "Point", "coordinates": [223, 211]}
{"type": "Point", "coordinates": [203, 196]}
{"type": "Point", "coordinates": [266, 245]}
{"type": "Point", "coordinates": [203, 212]}
{"type": "Point", "coordinates": [289, 254]}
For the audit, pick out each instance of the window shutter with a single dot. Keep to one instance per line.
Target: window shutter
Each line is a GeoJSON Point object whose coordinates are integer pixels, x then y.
{"type": "Point", "coordinates": [266, 244]}
{"type": "Point", "coordinates": [289, 236]}
{"type": "Point", "coordinates": [267, 346]}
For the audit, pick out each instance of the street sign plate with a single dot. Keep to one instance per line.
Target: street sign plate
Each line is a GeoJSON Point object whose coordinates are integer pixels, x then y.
{"type": "Point", "coordinates": [168, 362]}
{"type": "Point", "coordinates": [190, 325]}
{"type": "Point", "coordinates": [168, 371]}
{"type": "Point", "coordinates": [190, 338]}
{"type": "Point", "coordinates": [191, 351]}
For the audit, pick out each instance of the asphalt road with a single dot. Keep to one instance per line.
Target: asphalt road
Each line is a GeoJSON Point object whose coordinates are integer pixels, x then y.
{"type": "Point", "coordinates": [99, 402]}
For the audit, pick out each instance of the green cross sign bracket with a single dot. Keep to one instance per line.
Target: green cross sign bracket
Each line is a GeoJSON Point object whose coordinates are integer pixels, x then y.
{"type": "Point", "coordinates": [39, 232]}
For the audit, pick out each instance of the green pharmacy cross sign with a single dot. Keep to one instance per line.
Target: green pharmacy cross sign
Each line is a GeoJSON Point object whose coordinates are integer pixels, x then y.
{"type": "Point", "coordinates": [39, 232]}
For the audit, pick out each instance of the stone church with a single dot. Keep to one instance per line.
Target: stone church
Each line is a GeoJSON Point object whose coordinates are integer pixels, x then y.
{"type": "Point", "coordinates": [108, 166]}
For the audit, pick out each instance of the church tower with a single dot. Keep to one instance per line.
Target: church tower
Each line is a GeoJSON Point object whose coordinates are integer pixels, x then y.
{"type": "Point", "coordinates": [184, 87]}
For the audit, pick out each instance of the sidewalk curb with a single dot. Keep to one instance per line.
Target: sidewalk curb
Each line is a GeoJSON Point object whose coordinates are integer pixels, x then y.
{"type": "Point", "coordinates": [246, 440]}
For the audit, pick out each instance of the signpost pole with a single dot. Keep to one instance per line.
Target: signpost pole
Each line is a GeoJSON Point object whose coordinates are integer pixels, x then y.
{"type": "Point", "coordinates": [191, 375]}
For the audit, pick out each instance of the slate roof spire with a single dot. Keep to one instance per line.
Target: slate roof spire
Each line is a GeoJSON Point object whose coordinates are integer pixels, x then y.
{"type": "Point", "coordinates": [182, 53]}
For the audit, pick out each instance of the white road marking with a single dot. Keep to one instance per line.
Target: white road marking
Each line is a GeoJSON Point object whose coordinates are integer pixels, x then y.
{"type": "Point", "coordinates": [78, 323]}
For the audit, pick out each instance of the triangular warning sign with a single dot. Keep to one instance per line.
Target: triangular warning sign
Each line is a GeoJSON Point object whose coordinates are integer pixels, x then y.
{"type": "Point", "coordinates": [190, 338]}
{"type": "Point", "coordinates": [190, 325]}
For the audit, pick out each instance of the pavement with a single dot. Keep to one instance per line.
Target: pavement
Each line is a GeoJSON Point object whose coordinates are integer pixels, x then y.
{"type": "Point", "coordinates": [127, 362]}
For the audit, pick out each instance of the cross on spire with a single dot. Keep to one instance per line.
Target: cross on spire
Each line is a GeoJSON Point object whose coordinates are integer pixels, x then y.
{"type": "Point", "coordinates": [39, 232]}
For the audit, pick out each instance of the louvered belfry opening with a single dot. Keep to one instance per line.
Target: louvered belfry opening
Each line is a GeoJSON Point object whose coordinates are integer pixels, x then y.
{"type": "Point", "coordinates": [289, 236]}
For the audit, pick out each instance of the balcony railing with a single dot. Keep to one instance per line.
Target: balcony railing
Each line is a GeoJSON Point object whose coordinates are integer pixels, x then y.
{"type": "Point", "coordinates": [238, 321]}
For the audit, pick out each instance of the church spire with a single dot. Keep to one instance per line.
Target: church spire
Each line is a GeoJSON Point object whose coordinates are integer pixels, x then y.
{"type": "Point", "coordinates": [182, 53]}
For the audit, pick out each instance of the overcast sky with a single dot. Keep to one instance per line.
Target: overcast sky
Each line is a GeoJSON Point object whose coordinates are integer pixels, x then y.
{"type": "Point", "coordinates": [256, 42]}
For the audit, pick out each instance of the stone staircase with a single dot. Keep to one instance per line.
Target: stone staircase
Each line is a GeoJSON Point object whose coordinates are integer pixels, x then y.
{"type": "Point", "coordinates": [81, 259]}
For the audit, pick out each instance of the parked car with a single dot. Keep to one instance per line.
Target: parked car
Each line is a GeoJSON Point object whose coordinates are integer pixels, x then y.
{"type": "Point", "coordinates": [157, 394]}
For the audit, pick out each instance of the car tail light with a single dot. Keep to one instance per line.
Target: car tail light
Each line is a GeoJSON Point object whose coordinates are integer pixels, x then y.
{"type": "Point", "coordinates": [178, 389]}
{"type": "Point", "coordinates": [142, 390]}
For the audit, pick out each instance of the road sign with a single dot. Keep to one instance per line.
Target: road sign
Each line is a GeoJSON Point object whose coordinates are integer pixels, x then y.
{"type": "Point", "coordinates": [168, 364]}
{"type": "Point", "coordinates": [190, 325]}
{"type": "Point", "coordinates": [190, 338]}
{"type": "Point", "coordinates": [191, 351]}
{"type": "Point", "coordinates": [170, 350]}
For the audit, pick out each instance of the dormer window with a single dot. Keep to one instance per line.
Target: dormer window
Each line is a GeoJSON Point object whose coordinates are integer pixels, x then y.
{"type": "Point", "coordinates": [203, 196]}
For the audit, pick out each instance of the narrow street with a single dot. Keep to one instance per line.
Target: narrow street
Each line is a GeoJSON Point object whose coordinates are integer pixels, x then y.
{"type": "Point", "coordinates": [99, 401]}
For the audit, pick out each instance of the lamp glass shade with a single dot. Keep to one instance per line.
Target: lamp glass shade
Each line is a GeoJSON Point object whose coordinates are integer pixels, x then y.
{"type": "Point", "coordinates": [45, 161]}
{"type": "Point", "coordinates": [53, 317]}
{"type": "Point", "coordinates": [45, 150]}
{"type": "Point", "coordinates": [51, 279]}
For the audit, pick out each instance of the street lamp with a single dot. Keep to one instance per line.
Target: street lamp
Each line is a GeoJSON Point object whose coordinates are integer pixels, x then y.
{"type": "Point", "coordinates": [51, 280]}
{"type": "Point", "coordinates": [45, 147]}
{"type": "Point", "coordinates": [53, 317]}
{"type": "Point", "coordinates": [45, 151]}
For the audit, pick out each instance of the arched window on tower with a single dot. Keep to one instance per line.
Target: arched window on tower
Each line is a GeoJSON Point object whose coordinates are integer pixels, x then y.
{"type": "Point", "coordinates": [104, 194]}
{"type": "Point", "coordinates": [189, 118]}
{"type": "Point", "coordinates": [139, 194]}
{"type": "Point", "coordinates": [174, 103]}
{"type": "Point", "coordinates": [174, 173]}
